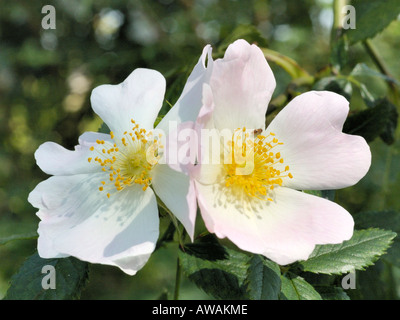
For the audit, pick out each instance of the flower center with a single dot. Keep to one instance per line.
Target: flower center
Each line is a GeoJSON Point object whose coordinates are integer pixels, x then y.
{"type": "Point", "coordinates": [253, 166]}
{"type": "Point", "coordinates": [129, 160]}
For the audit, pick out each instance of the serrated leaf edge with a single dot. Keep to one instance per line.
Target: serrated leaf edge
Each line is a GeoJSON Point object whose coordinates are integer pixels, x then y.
{"type": "Point", "coordinates": [362, 268]}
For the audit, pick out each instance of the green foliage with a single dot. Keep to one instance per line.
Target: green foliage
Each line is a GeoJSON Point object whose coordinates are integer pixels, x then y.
{"type": "Point", "coordinates": [372, 17]}
{"type": "Point", "coordinates": [332, 293]}
{"type": "Point", "coordinates": [71, 277]}
{"type": "Point", "coordinates": [379, 120]}
{"type": "Point", "coordinates": [361, 251]}
{"type": "Point", "coordinates": [263, 279]}
{"type": "Point", "coordinates": [295, 287]}
{"type": "Point", "coordinates": [336, 84]}
{"type": "Point", "coordinates": [339, 53]}
{"type": "Point", "coordinates": [389, 220]}
{"type": "Point", "coordinates": [219, 271]}
{"type": "Point", "coordinates": [361, 70]}
{"type": "Point", "coordinates": [104, 128]}
{"type": "Point", "coordinates": [36, 77]}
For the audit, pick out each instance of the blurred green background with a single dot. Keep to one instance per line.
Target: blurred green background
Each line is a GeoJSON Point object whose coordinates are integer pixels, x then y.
{"type": "Point", "coordinates": [46, 77]}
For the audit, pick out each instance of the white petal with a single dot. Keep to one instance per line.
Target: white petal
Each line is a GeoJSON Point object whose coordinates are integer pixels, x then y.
{"type": "Point", "coordinates": [89, 138]}
{"type": "Point", "coordinates": [188, 105]}
{"type": "Point", "coordinates": [56, 160]}
{"type": "Point", "coordinates": [176, 191]}
{"type": "Point", "coordinates": [285, 230]}
{"type": "Point", "coordinates": [318, 154]}
{"type": "Point", "coordinates": [78, 220]}
{"type": "Point", "coordinates": [139, 98]}
{"type": "Point", "coordinates": [242, 84]}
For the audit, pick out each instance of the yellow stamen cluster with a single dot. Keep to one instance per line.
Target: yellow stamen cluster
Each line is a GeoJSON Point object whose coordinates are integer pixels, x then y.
{"type": "Point", "coordinates": [127, 161]}
{"type": "Point", "coordinates": [256, 173]}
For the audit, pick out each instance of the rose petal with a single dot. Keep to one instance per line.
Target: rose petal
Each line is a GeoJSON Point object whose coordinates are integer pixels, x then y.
{"type": "Point", "coordinates": [78, 220]}
{"type": "Point", "coordinates": [177, 192]}
{"type": "Point", "coordinates": [56, 160]}
{"type": "Point", "coordinates": [139, 98]}
{"type": "Point", "coordinates": [242, 84]}
{"type": "Point", "coordinates": [188, 105]}
{"type": "Point", "coordinates": [318, 154]}
{"type": "Point", "coordinates": [285, 230]}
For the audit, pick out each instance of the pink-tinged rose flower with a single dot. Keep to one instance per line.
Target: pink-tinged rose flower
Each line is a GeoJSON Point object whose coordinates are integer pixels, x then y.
{"type": "Point", "coordinates": [100, 204]}
{"type": "Point", "coordinates": [257, 202]}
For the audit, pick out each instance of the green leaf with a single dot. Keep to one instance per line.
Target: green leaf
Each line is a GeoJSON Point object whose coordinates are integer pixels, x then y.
{"type": "Point", "coordinates": [168, 234]}
{"type": "Point", "coordinates": [339, 85]}
{"type": "Point", "coordinates": [380, 120]}
{"type": "Point", "coordinates": [388, 220]}
{"type": "Point", "coordinates": [332, 293]}
{"type": "Point", "coordinates": [263, 279]}
{"type": "Point", "coordinates": [371, 83]}
{"type": "Point", "coordinates": [375, 283]}
{"type": "Point", "coordinates": [217, 270]}
{"type": "Point", "coordinates": [158, 120]}
{"type": "Point", "coordinates": [70, 277]}
{"type": "Point", "coordinates": [361, 70]}
{"type": "Point", "coordinates": [388, 134]}
{"type": "Point", "coordinates": [362, 250]}
{"type": "Point", "coordinates": [339, 53]}
{"type": "Point", "coordinates": [104, 128]}
{"type": "Point", "coordinates": [372, 17]}
{"type": "Point", "coordinates": [207, 248]}
{"type": "Point", "coordinates": [296, 288]}
{"type": "Point", "coordinates": [366, 95]}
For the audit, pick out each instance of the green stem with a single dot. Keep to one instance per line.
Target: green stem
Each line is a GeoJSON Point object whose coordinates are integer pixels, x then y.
{"type": "Point", "coordinates": [376, 58]}
{"type": "Point", "coordinates": [337, 15]}
{"type": "Point", "coordinates": [378, 61]}
{"type": "Point", "coordinates": [177, 279]}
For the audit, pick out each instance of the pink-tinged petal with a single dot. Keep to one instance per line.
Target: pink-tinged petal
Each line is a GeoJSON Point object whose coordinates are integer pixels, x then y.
{"type": "Point", "coordinates": [205, 119]}
{"type": "Point", "coordinates": [181, 147]}
{"type": "Point", "coordinates": [139, 98]}
{"type": "Point", "coordinates": [188, 105]}
{"type": "Point", "coordinates": [242, 84]}
{"type": "Point", "coordinates": [285, 230]}
{"type": "Point", "coordinates": [56, 160]}
{"type": "Point", "coordinates": [335, 107]}
{"type": "Point", "coordinates": [78, 220]}
{"type": "Point", "coordinates": [318, 154]}
{"type": "Point", "coordinates": [177, 192]}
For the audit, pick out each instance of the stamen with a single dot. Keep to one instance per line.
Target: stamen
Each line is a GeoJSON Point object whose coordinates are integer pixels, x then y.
{"type": "Point", "coordinates": [264, 176]}
{"type": "Point", "coordinates": [125, 160]}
